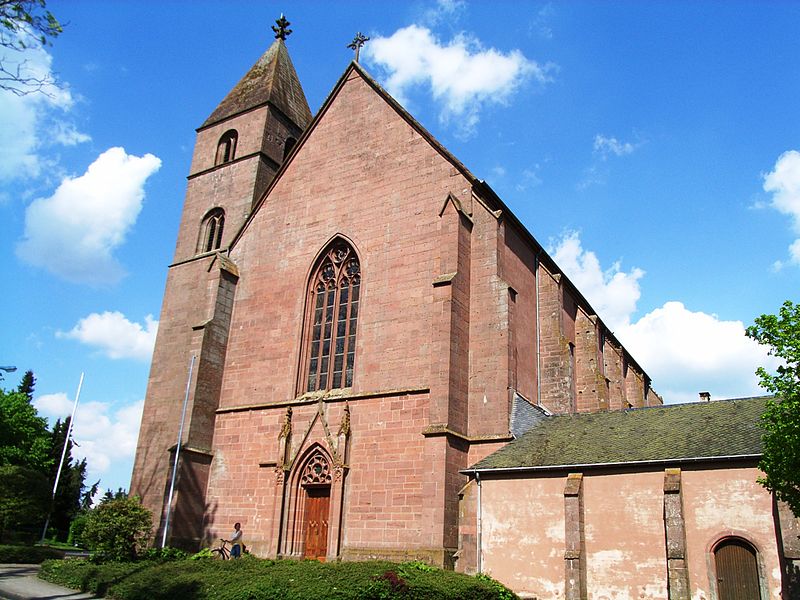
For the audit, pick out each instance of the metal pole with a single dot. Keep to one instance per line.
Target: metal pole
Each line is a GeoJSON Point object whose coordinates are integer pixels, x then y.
{"type": "Point", "coordinates": [177, 454]}
{"type": "Point", "coordinates": [63, 455]}
{"type": "Point", "coordinates": [479, 541]}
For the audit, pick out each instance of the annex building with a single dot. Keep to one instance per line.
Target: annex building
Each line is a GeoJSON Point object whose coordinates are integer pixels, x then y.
{"type": "Point", "coordinates": [363, 323]}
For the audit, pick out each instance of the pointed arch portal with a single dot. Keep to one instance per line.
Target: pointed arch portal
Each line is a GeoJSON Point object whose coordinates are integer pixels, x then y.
{"type": "Point", "coordinates": [313, 493]}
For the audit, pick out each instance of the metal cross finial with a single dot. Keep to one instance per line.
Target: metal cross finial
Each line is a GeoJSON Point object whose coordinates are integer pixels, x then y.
{"type": "Point", "coordinates": [282, 30]}
{"type": "Point", "coordinates": [357, 42]}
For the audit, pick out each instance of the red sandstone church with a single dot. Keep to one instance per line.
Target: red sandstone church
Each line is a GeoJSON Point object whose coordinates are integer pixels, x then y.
{"type": "Point", "coordinates": [368, 321]}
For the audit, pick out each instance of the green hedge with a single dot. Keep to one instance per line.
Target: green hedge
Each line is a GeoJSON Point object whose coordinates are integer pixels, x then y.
{"type": "Point", "coordinates": [255, 579]}
{"type": "Point", "coordinates": [27, 555]}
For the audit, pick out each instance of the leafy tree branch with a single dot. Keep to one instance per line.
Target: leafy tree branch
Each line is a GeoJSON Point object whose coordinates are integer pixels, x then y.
{"type": "Point", "coordinates": [24, 24]}
{"type": "Point", "coordinates": [781, 420]}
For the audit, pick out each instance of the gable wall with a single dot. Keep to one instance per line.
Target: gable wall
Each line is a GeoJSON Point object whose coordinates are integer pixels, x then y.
{"type": "Point", "coordinates": [364, 173]}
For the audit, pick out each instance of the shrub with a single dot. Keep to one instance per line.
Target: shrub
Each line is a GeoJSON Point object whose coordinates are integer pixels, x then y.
{"type": "Point", "coordinates": [204, 553]}
{"type": "Point", "coordinates": [164, 554]}
{"type": "Point", "coordinates": [256, 579]}
{"type": "Point", "coordinates": [76, 528]}
{"type": "Point", "coordinates": [503, 593]}
{"type": "Point", "coordinates": [118, 529]}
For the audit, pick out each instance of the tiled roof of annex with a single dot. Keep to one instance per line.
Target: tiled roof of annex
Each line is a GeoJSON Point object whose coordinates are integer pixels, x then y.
{"type": "Point", "coordinates": [677, 432]}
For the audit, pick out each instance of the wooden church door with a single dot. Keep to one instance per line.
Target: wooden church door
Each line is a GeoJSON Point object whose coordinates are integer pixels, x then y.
{"type": "Point", "coordinates": [317, 511]}
{"type": "Point", "coordinates": [737, 571]}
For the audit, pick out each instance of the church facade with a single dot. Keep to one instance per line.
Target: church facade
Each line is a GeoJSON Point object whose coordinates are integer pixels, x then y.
{"type": "Point", "coordinates": [360, 319]}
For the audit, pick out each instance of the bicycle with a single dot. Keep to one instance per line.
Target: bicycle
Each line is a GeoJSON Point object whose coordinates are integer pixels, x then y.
{"type": "Point", "coordinates": [221, 552]}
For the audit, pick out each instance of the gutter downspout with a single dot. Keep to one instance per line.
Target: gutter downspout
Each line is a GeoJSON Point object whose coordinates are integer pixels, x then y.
{"type": "Point", "coordinates": [538, 338]}
{"type": "Point", "coordinates": [480, 524]}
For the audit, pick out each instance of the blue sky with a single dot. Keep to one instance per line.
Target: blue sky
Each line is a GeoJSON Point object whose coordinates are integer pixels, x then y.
{"type": "Point", "coordinates": [653, 148]}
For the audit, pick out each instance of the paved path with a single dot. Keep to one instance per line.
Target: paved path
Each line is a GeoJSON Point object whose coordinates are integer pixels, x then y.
{"type": "Point", "coordinates": [19, 582]}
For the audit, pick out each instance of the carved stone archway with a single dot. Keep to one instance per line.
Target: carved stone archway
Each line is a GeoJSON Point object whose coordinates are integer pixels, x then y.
{"type": "Point", "coordinates": [312, 494]}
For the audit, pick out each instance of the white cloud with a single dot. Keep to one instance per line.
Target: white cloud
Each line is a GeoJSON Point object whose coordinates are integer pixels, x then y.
{"type": "Point", "coordinates": [444, 10]}
{"type": "Point", "coordinates": [462, 75]}
{"type": "Point", "coordinates": [794, 252]}
{"type": "Point", "coordinates": [31, 122]}
{"type": "Point", "coordinates": [604, 146]}
{"type": "Point", "coordinates": [115, 335]}
{"type": "Point", "coordinates": [57, 406]}
{"type": "Point", "coordinates": [591, 176]}
{"type": "Point", "coordinates": [542, 22]}
{"type": "Point", "coordinates": [684, 352]}
{"type": "Point", "coordinates": [613, 293]}
{"type": "Point", "coordinates": [529, 178]}
{"type": "Point", "coordinates": [104, 435]}
{"type": "Point", "coordinates": [784, 184]}
{"type": "Point", "coordinates": [74, 232]}
{"type": "Point", "coordinates": [687, 352]}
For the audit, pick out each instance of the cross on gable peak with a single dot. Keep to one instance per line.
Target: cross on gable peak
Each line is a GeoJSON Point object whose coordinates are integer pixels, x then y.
{"type": "Point", "coordinates": [357, 43]}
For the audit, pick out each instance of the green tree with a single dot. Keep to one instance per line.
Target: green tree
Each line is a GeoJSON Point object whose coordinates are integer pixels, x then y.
{"type": "Point", "coordinates": [24, 439]}
{"type": "Point", "coordinates": [24, 496]}
{"type": "Point", "coordinates": [109, 495]}
{"type": "Point", "coordinates": [118, 529]}
{"type": "Point", "coordinates": [28, 382]}
{"type": "Point", "coordinates": [24, 23]}
{"type": "Point", "coordinates": [781, 420]}
{"type": "Point", "coordinates": [71, 485]}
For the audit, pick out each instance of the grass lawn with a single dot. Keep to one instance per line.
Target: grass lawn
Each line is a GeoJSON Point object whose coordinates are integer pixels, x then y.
{"type": "Point", "coordinates": [256, 579]}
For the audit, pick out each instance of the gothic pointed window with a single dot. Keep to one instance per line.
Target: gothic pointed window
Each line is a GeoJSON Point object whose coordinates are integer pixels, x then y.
{"type": "Point", "coordinates": [211, 230]}
{"type": "Point", "coordinates": [334, 294]}
{"type": "Point", "coordinates": [226, 148]}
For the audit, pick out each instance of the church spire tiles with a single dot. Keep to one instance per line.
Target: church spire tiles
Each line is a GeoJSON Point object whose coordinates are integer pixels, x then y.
{"type": "Point", "coordinates": [271, 80]}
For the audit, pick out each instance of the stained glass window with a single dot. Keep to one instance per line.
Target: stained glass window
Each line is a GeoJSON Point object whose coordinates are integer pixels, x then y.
{"type": "Point", "coordinates": [333, 305]}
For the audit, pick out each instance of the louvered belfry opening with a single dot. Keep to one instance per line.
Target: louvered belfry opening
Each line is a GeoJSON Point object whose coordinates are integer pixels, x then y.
{"type": "Point", "coordinates": [334, 297]}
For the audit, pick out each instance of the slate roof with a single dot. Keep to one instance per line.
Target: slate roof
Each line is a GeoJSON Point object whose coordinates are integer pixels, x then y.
{"type": "Point", "coordinates": [723, 428]}
{"type": "Point", "coordinates": [272, 79]}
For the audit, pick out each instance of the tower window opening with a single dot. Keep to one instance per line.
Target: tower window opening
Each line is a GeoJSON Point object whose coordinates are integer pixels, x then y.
{"type": "Point", "coordinates": [288, 146]}
{"type": "Point", "coordinates": [211, 230]}
{"type": "Point", "coordinates": [226, 148]}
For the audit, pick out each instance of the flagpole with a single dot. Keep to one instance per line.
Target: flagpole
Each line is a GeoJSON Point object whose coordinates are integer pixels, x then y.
{"type": "Point", "coordinates": [63, 455]}
{"type": "Point", "coordinates": [177, 454]}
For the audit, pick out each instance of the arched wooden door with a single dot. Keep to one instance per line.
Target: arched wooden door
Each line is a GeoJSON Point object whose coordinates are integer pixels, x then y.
{"type": "Point", "coordinates": [737, 571]}
{"type": "Point", "coordinates": [317, 511]}
{"type": "Point", "coordinates": [316, 483]}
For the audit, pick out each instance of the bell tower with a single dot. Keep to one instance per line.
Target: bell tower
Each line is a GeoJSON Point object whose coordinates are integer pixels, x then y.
{"type": "Point", "coordinates": [238, 151]}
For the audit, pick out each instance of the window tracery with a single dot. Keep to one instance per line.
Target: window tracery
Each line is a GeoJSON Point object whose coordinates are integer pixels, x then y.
{"type": "Point", "coordinates": [317, 471]}
{"type": "Point", "coordinates": [334, 297]}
